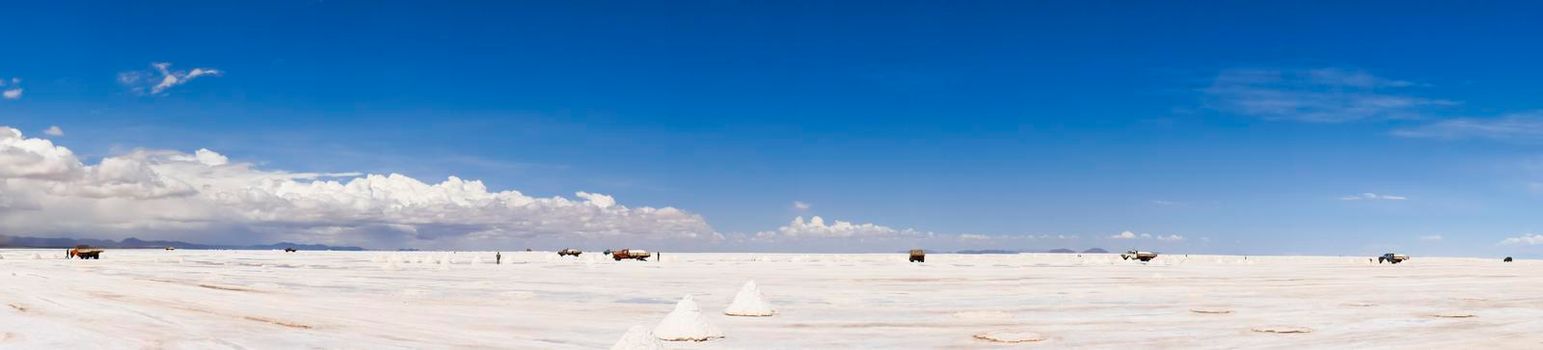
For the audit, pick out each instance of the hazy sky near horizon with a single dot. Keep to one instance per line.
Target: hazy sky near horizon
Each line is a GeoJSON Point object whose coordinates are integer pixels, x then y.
{"type": "Point", "coordinates": [1312, 128]}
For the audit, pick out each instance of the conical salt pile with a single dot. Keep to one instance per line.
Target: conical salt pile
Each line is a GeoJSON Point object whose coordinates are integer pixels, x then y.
{"type": "Point", "coordinates": [749, 302]}
{"type": "Point", "coordinates": [686, 323]}
{"type": "Point", "coordinates": [638, 338]}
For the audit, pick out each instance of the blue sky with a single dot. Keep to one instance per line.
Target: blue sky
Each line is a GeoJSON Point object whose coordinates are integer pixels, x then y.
{"type": "Point", "coordinates": [1242, 127]}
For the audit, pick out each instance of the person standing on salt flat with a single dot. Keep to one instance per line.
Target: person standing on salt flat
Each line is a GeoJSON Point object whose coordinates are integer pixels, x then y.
{"type": "Point", "coordinates": [638, 338]}
{"type": "Point", "coordinates": [749, 302]}
{"type": "Point", "coordinates": [686, 323]}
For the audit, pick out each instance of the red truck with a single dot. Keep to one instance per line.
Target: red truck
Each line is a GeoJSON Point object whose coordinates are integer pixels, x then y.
{"type": "Point", "coordinates": [640, 255]}
{"type": "Point", "coordinates": [85, 252]}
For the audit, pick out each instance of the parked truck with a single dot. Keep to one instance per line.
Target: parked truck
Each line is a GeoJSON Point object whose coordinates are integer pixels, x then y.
{"type": "Point", "coordinates": [85, 252]}
{"type": "Point", "coordinates": [1392, 258]}
{"type": "Point", "coordinates": [918, 255]}
{"type": "Point", "coordinates": [1138, 255]}
{"type": "Point", "coordinates": [569, 251]}
{"type": "Point", "coordinates": [634, 254]}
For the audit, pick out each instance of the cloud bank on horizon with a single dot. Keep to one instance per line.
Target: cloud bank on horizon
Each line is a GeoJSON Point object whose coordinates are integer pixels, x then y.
{"type": "Point", "coordinates": [47, 189]}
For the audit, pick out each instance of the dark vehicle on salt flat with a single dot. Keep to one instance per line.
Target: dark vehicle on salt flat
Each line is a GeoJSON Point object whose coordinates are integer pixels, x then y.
{"type": "Point", "coordinates": [918, 255]}
{"type": "Point", "coordinates": [1392, 258]}
{"type": "Point", "coordinates": [85, 252]}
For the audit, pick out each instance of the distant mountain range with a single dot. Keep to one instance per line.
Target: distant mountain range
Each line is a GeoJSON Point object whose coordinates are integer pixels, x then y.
{"type": "Point", "coordinates": [130, 243]}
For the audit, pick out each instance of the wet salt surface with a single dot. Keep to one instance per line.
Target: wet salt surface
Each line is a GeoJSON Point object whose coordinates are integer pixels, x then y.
{"type": "Point", "coordinates": [259, 299]}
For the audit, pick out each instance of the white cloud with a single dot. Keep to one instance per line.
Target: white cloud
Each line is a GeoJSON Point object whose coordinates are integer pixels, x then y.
{"type": "Point", "coordinates": [1430, 238]}
{"type": "Point", "coordinates": [53, 131]}
{"type": "Point", "coordinates": [1526, 126]}
{"type": "Point", "coordinates": [1368, 196]}
{"type": "Point", "coordinates": [1133, 235]}
{"type": "Point", "coordinates": [800, 206]}
{"type": "Point", "coordinates": [162, 78]}
{"type": "Point", "coordinates": [1527, 239]}
{"type": "Point", "coordinates": [816, 227]}
{"type": "Point", "coordinates": [12, 93]}
{"type": "Point", "coordinates": [1328, 95]}
{"type": "Point", "coordinates": [34, 158]}
{"type": "Point", "coordinates": [210, 158]}
{"type": "Point", "coordinates": [971, 236]}
{"type": "Point", "coordinates": [1130, 235]}
{"type": "Point", "coordinates": [46, 190]}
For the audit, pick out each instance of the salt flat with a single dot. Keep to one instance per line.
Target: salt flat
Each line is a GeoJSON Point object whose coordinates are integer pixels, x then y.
{"type": "Point", "coordinates": [137, 299]}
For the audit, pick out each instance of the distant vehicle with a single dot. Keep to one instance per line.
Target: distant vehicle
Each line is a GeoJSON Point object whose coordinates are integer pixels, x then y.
{"type": "Point", "coordinates": [1392, 258]}
{"type": "Point", "coordinates": [290, 250]}
{"type": "Point", "coordinates": [85, 252]}
{"type": "Point", "coordinates": [1508, 259]}
{"type": "Point", "coordinates": [634, 254]}
{"type": "Point", "coordinates": [918, 255]}
{"type": "Point", "coordinates": [569, 251]}
{"type": "Point", "coordinates": [1138, 255]}
{"type": "Point", "coordinates": [171, 248]}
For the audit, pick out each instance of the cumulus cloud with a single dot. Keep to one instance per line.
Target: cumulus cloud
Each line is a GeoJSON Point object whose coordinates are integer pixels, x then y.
{"type": "Point", "coordinates": [10, 89]}
{"type": "Point", "coordinates": [971, 236]}
{"type": "Point", "coordinates": [162, 77]}
{"type": "Point", "coordinates": [1368, 196]}
{"type": "Point", "coordinates": [45, 189]}
{"type": "Point", "coordinates": [816, 227]}
{"type": "Point", "coordinates": [1130, 235]}
{"type": "Point", "coordinates": [1327, 95]}
{"type": "Point", "coordinates": [1525, 239]}
{"type": "Point", "coordinates": [1133, 235]}
{"type": "Point", "coordinates": [1525, 126]}
{"type": "Point", "coordinates": [53, 131]}
{"type": "Point", "coordinates": [33, 158]}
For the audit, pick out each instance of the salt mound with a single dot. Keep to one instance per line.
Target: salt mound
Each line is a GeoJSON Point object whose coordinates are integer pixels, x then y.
{"type": "Point", "coordinates": [1010, 336]}
{"type": "Point", "coordinates": [1283, 329]}
{"type": "Point", "coordinates": [1453, 315]}
{"type": "Point", "coordinates": [1210, 310]}
{"type": "Point", "coordinates": [686, 323]}
{"type": "Point", "coordinates": [638, 338]}
{"type": "Point", "coordinates": [749, 302]}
